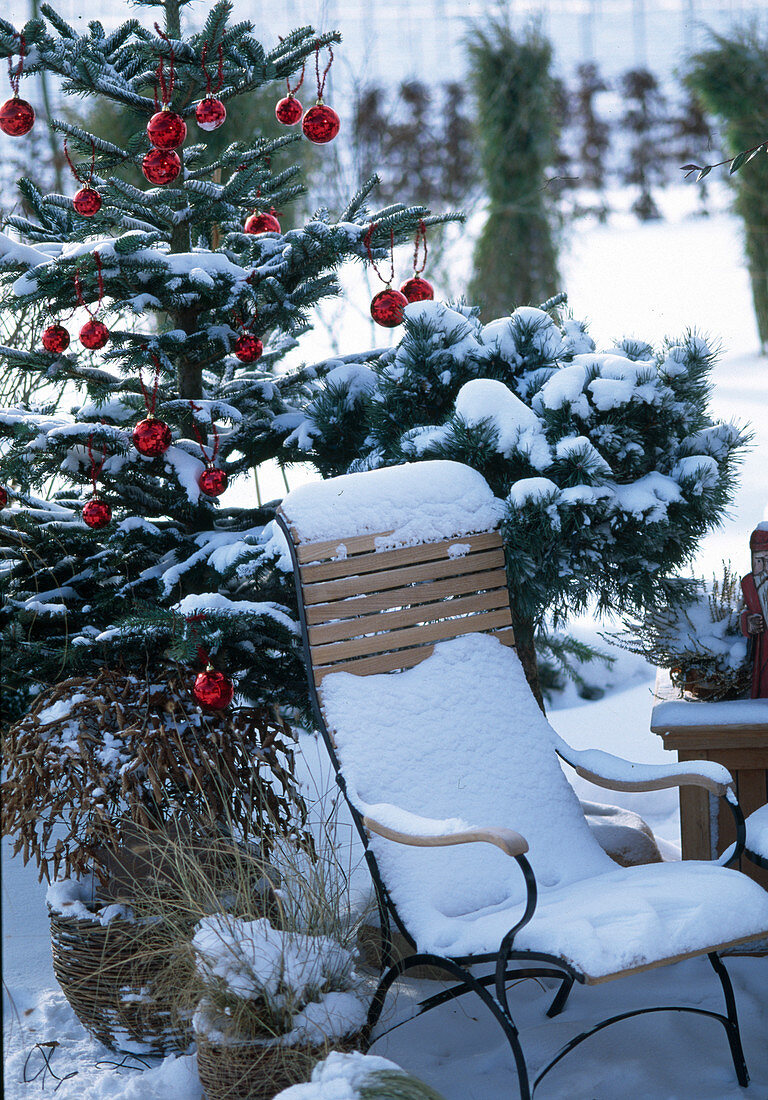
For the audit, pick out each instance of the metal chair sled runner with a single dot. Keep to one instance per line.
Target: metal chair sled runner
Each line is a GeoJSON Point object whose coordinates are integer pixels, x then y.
{"type": "Point", "coordinates": [478, 846]}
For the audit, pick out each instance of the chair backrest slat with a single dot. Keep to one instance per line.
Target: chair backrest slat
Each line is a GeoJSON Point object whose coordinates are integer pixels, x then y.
{"type": "Point", "coordinates": [355, 584]}
{"type": "Point", "coordinates": [426, 592]}
{"type": "Point", "coordinates": [339, 630]}
{"type": "Point", "coordinates": [379, 561]}
{"type": "Point", "coordinates": [369, 610]}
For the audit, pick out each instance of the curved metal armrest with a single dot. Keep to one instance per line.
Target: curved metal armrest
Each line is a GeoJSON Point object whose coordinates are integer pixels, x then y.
{"type": "Point", "coordinates": [507, 839]}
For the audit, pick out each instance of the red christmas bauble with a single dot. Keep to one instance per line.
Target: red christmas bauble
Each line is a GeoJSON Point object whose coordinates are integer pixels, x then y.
{"type": "Point", "coordinates": [17, 117]}
{"type": "Point", "coordinates": [321, 124]}
{"type": "Point", "coordinates": [248, 348]}
{"type": "Point", "coordinates": [94, 335]}
{"type": "Point", "coordinates": [161, 166]}
{"type": "Point", "coordinates": [97, 513]}
{"type": "Point", "coordinates": [387, 307]}
{"type": "Point", "coordinates": [262, 223]}
{"type": "Point", "coordinates": [56, 339]}
{"type": "Point", "coordinates": [151, 437]}
{"type": "Point", "coordinates": [213, 690]}
{"type": "Point", "coordinates": [212, 481]}
{"type": "Point", "coordinates": [166, 130]}
{"type": "Point", "coordinates": [210, 113]}
{"type": "Point", "coordinates": [417, 290]}
{"type": "Point", "coordinates": [87, 201]}
{"type": "Point", "coordinates": [3, 497]}
{"type": "Point", "coordinates": [289, 110]}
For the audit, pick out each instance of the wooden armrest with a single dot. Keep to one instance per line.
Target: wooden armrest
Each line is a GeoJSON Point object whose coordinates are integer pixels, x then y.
{"type": "Point", "coordinates": [507, 839]}
{"type": "Point", "coordinates": [617, 774]}
{"type": "Point", "coordinates": [682, 779]}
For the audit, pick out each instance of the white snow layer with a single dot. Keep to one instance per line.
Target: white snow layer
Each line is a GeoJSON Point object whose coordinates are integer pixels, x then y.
{"type": "Point", "coordinates": [461, 736]}
{"type": "Point", "coordinates": [517, 426]}
{"type": "Point", "coordinates": [416, 502]}
{"type": "Point", "coordinates": [689, 713]}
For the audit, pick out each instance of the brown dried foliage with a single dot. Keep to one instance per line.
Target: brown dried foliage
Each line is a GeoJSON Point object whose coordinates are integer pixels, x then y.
{"type": "Point", "coordinates": [124, 752]}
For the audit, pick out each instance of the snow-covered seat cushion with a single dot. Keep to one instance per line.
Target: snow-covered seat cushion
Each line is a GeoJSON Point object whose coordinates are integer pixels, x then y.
{"type": "Point", "coordinates": [459, 740]}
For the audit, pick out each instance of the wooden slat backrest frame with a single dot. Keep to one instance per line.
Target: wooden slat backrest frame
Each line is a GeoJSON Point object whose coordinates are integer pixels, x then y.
{"type": "Point", "coordinates": [374, 610]}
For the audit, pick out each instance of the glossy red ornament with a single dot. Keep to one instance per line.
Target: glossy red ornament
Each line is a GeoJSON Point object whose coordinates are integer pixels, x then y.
{"type": "Point", "coordinates": [87, 201]}
{"type": "Point", "coordinates": [289, 110]}
{"type": "Point", "coordinates": [161, 166]}
{"type": "Point", "coordinates": [417, 290]}
{"type": "Point", "coordinates": [17, 117]}
{"type": "Point", "coordinates": [94, 335]}
{"type": "Point", "coordinates": [387, 307]}
{"type": "Point", "coordinates": [262, 223]}
{"type": "Point", "coordinates": [97, 513]}
{"type": "Point", "coordinates": [320, 123]}
{"type": "Point", "coordinates": [212, 481]}
{"type": "Point", "coordinates": [166, 130]}
{"type": "Point", "coordinates": [55, 339]}
{"type": "Point", "coordinates": [248, 348]}
{"type": "Point", "coordinates": [3, 497]}
{"type": "Point", "coordinates": [213, 690]}
{"type": "Point", "coordinates": [151, 437]}
{"type": "Point", "coordinates": [210, 113]}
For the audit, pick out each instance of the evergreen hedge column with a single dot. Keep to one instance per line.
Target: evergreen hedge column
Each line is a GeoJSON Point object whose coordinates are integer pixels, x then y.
{"type": "Point", "coordinates": [515, 260]}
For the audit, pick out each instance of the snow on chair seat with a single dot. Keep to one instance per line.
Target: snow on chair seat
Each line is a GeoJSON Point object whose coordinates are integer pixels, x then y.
{"type": "Point", "coordinates": [460, 739]}
{"type": "Point", "coordinates": [441, 748]}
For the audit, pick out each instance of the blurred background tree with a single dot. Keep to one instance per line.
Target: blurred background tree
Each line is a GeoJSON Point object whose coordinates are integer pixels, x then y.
{"type": "Point", "coordinates": [731, 80]}
{"type": "Point", "coordinates": [515, 259]}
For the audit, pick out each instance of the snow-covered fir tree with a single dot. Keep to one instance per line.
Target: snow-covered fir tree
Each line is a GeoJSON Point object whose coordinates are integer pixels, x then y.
{"type": "Point", "coordinates": [610, 464]}
{"type": "Point", "coordinates": [178, 282]}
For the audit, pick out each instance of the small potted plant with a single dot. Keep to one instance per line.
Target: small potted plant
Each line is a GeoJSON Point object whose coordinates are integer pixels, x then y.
{"type": "Point", "coordinates": [106, 776]}
{"type": "Point", "coordinates": [274, 1002]}
{"type": "Point", "coordinates": [698, 639]}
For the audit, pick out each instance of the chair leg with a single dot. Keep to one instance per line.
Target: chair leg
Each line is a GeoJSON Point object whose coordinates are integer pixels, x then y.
{"type": "Point", "coordinates": [557, 1006]}
{"type": "Point", "coordinates": [732, 1024]}
{"type": "Point", "coordinates": [464, 976]}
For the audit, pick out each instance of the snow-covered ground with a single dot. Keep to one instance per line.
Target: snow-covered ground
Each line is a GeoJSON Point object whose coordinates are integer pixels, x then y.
{"type": "Point", "coordinates": [629, 279]}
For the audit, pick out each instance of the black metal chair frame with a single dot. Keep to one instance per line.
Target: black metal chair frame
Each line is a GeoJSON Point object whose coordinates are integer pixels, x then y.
{"type": "Point", "coordinates": [458, 967]}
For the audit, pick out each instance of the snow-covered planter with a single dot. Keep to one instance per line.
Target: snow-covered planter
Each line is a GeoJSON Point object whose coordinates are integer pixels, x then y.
{"type": "Point", "coordinates": [698, 640]}
{"type": "Point", "coordinates": [116, 971]}
{"type": "Point", "coordinates": [275, 1002]}
{"type": "Point", "coordinates": [108, 779]}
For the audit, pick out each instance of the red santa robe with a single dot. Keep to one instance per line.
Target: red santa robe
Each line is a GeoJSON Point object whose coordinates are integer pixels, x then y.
{"type": "Point", "coordinates": [758, 642]}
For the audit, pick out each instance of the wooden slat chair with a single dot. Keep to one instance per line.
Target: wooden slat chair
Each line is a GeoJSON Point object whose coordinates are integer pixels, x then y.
{"type": "Point", "coordinates": [450, 768]}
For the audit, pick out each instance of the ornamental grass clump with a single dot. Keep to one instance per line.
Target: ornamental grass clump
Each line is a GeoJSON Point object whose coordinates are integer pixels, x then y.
{"type": "Point", "coordinates": [698, 640]}
{"type": "Point", "coordinates": [275, 1001]}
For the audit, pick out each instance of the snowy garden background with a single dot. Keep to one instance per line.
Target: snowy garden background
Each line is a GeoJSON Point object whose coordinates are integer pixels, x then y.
{"type": "Point", "coordinates": [646, 280]}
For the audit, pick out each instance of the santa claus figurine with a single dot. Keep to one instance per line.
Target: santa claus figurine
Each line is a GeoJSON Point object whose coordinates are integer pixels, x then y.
{"type": "Point", "coordinates": [754, 617]}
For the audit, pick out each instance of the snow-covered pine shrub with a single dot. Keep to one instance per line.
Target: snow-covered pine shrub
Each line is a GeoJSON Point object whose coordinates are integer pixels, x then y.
{"type": "Point", "coordinates": [610, 463]}
{"type": "Point", "coordinates": [698, 639]}
{"type": "Point", "coordinates": [357, 1076]}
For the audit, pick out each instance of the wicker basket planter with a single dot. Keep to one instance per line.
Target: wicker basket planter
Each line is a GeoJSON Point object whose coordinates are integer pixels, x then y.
{"type": "Point", "coordinates": [107, 973]}
{"type": "Point", "coordinates": [253, 1070]}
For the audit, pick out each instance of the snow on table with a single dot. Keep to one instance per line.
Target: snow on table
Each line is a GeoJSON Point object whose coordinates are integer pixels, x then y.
{"type": "Point", "coordinates": [417, 502]}
{"type": "Point", "coordinates": [735, 712]}
{"type": "Point", "coordinates": [460, 737]}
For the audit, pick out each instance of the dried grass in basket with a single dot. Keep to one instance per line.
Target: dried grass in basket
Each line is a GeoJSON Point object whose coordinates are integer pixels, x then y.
{"type": "Point", "coordinates": [111, 974]}
{"type": "Point", "coordinates": [253, 1070]}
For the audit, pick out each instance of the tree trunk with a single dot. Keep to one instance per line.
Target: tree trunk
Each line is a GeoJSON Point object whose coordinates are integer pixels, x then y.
{"type": "Point", "coordinates": [524, 631]}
